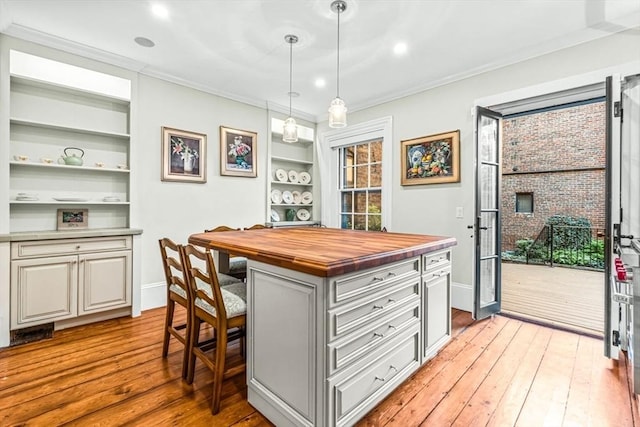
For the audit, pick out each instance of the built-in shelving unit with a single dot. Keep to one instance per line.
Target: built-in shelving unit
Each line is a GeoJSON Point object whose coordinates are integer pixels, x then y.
{"type": "Point", "coordinates": [285, 204]}
{"type": "Point", "coordinates": [52, 110]}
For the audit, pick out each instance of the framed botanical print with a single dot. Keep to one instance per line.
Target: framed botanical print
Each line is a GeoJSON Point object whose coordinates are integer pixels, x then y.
{"type": "Point", "coordinates": [238, 152]}
{"type": "Point", "coordinates": [183, 156]}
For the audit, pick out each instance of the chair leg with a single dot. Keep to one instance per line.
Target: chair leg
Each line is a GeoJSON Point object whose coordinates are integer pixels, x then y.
{"type": "Point", "coordinates": [218, 374]}
{"type": "Point", "coordinates": [185, 354]}
{"type": "Point", "coordinates": [168, 322]}
{"type": "Point", "coordinates": [193, 342]}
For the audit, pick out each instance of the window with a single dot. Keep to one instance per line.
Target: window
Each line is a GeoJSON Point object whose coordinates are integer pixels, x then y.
{"type": "Point", "coordinates": [360, 186]}
{"type": "Point", "coordinates": [524, 202]}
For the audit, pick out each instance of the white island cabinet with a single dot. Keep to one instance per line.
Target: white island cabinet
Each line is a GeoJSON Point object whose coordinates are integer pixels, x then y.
{"type": "Point", "coordinates": [337, 319]}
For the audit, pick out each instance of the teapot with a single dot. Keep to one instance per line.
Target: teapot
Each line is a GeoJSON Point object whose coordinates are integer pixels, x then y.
{"type": "Point", "coordinates": [73, 159]}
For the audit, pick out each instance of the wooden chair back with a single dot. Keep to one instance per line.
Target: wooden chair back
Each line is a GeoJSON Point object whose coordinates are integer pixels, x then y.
{"type": "Point", "coordinates": [220, 228]}
{"type": "Point", "coordinates": [174, 272]}
{"type": "Point", "coordinates": [255, 227]}
{"type": "Point", "coordinates": [204, 283]}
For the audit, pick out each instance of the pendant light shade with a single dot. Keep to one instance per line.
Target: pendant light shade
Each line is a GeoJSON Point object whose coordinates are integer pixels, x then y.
{"type": "Point", "coordinates": [290, 128]}
{"type": "Point", "coordinates": [337, 109]}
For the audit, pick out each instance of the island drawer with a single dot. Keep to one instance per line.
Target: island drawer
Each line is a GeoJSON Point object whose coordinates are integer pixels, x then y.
{"type": "Point", "coordinates": [349, 317]}
{"type": "Point", "coordinates": [371, 337]}
{"type": "Point", "coordinates": [354, 392]}
{"type": "Point", "coordinates": [350, 286]}
{"type": "Point", "coordinates": [435, 260]}
{"type": "Point", "coordinates": [39, 248]}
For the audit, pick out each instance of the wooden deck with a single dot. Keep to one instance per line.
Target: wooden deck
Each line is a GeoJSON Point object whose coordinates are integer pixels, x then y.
{"type": "Point", "coordinates": [496, 372]}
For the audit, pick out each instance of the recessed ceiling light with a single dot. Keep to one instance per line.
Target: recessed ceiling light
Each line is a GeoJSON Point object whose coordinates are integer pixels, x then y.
{"type": "Point", "coordinates": [400, 48]}
{"type": "Point", "coordinates": [320, 82]}
{"type": "Point", "coordinates": [145, 42]}
{"type": "Point", "coordinates": [160, 11]}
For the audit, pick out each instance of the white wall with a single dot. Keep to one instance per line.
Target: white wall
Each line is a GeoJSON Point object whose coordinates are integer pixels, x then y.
{"type": "Point", "coordinates": [430, 209]}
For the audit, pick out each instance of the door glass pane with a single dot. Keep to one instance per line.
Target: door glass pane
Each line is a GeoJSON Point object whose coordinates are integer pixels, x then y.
{"type": "Point", "coordinates": [489, 181]}
{"type": "Point", "coordinates": [488, 236]}
{"type": "Point", "coordinates": [487, 281]}
{"type": "Point", "coordinates": [487, 138]}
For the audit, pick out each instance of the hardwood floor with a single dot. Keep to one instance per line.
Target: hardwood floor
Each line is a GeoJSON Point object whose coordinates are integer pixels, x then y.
{"type": "Point", "coordinates": [496, 372]}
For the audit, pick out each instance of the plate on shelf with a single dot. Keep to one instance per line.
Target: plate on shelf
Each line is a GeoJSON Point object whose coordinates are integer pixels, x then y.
{"type": "Point", "coordinates": [26, 198]}
{"type": "Point", "coordinates": [303, 214]}
{"type": "Point", "coordinates": [70, 199]}
{"type": "Point", "coordinates": [307, 198]}
{"type": "Point", "coordinates": [274, 216]}
{"type": "Point", "coordinates": [304, 177]}
{"type": "Point", "coordinates": [293, 176]}
{"type": "Point", "coordinates": [287, 197]}
{"type": "Point", "coordinates": [281, 175]}
{"type": "Point", "coordinates": [111, 199]}
{"type": "Point", "coordinates": [297, 198]}
{"type": "Point", "coordinates": [276, 196]}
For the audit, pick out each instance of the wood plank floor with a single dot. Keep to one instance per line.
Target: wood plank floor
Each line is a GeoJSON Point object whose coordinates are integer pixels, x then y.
{"type": "Point", "coordinates": [496, 372]}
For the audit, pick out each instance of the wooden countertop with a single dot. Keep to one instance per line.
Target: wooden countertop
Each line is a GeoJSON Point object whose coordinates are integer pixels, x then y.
{"type": "Point", "coordinates": [322, 252]}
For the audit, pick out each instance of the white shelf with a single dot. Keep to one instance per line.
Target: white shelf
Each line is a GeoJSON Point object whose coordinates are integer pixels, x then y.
{"type": "Point", "coordinates": [291, 183]}
{"type": "Point", "coordinates": [290, 160]}
{"type": "Point", "coordinates": [291, 205]}
{"type": "Point", "coordinates": [67, 167]}
{"type": "Point", "coordinates": [58, 87]}
{"type": "Point", "coordinates": [291, 223]}
{"type": "Point", "coordinates": [44, 125]}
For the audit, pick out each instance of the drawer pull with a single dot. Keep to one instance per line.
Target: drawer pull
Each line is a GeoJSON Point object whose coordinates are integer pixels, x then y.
{"type": "Point", "coordinates": [78, 247]}
{"type": "Point", "coordinates": [380, 307]}
{"type": "Point", "coordinates": [392, 327]}
{"type": "Point", "coordinates": [377, 279]}
{"type": "Point", "coordinates": [391, 274]}
{"type": "Point", "coordinates": [375, 334]}
{"type": "Point", "coordinates": [384, 379]}
{"type": "Point", "coordinates": [433, 261]}
{"type": "Point", "coordinates": [439, 274]}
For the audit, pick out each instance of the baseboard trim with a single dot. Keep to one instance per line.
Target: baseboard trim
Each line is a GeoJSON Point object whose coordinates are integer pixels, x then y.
{"type": "Point", "coordinates": [462, 296]}
{"type": "Point", "coordinates": [154, 295]}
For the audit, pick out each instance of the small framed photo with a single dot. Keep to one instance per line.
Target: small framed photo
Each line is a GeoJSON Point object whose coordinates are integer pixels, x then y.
{"type": "Point", "coordinates": [238, 152]}
{"type": "Point", "coordinates": [184, 156]}
{"type": "Point", "coordinates": [73, 219]}
{"type": "Point", "coordinates": [433, 159]}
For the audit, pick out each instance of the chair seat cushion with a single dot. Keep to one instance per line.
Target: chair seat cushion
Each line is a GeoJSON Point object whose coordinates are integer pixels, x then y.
{"type": "Point", "coordinates": [234, 297]}
{"type": "Point", "coordinates": [237, 264]}
{"type": "Point", "coordinates": [178, 290]}
{"type": "Point", "coordinates": [225, 279]}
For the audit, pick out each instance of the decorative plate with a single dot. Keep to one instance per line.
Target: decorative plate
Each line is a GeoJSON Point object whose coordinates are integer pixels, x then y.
{"type": "Point", "coordinates": [304, 177]}
{"type": "Point", "coordinates": [307, 198]}
{"type": "Point", "coordinates": [303, 214]}
{"type": "Point", "coordinates": [293, 176]}
{"type": "Point", "coordinates": [287, 197]}
{"type": "Point", "coordinates": [274, 216]}
{"type": "Point", "coordinates": [297, 198]}
{"type": "Point", "coordinates": [281, 175]}
{"type": "Point", "coordinates": [276, 196]}
{"type": "Point", "coordinates": [111, 199]}
{"type": "Point", "coordinates": [70, 199]}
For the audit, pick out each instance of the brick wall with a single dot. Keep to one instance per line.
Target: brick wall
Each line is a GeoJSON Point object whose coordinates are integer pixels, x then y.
{"type": "Point", "coordinates": [559, 156]}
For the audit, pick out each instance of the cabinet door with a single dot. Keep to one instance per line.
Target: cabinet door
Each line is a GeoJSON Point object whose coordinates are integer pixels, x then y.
{"type": "Point", "coordinates": [105, 281]}
{"type": "Point", "coordinates": [437, 315]}
{"type": "Point", "coordinates": [43, 290]}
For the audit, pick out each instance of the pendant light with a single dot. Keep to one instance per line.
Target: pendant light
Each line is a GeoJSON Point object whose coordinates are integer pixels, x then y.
{"type": "Point", "coordinates": [337, 109]}
{"type": "Point", "coordinates": [290, 129]}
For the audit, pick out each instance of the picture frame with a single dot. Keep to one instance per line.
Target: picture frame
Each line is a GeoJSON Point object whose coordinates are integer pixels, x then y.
{"type": "Point", "coordinates": [238, 152]}
{"type": "Point", "coordinates": [184, 155]}
{"type": "Point", "coordinates": [433, 159]}
{"type": "Point", "coordinates": [73, 219]}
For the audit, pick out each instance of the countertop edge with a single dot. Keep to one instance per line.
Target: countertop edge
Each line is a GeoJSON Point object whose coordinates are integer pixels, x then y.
{"type": "Point", "coordinates": [72, 234]}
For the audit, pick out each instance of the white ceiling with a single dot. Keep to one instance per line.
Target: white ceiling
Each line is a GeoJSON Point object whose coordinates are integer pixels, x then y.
{"type": "Point", "coordinates": [236, 48]}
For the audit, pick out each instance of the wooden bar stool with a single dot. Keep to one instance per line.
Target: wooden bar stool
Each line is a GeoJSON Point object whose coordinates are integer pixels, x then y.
{"type": "Point", "coordinates": [224, 308]}
{"type": "Point", "coordinates": [177, 292]}
{"type": "Point", "coordinates": [237, 264]}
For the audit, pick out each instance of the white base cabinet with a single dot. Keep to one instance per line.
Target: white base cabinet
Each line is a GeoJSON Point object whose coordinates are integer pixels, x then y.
{"type": "Point", "coordinates": [54, 280]}
{"type": "Point", "coordinates": [324, 351]}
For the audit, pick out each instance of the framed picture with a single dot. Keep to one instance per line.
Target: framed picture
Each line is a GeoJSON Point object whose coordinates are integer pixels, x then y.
{"type": "Point", "coordinates": [433, 159]}
{"type": "Point", "coordinates": [238, 152]}
{"type": "Point", "coordinates": [184, 156]}
{"type": "Point", "coordinates": [72, 218]}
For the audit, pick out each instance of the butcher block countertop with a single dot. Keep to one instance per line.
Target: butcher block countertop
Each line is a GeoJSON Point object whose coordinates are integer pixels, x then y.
{"type": "Point", "coordinates": [324, 252]}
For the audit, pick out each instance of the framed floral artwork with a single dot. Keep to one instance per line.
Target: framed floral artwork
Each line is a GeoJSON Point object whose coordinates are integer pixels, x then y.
{"type": "Point", "coordinates": [183, 156]}
{"type": "Point", "coordinates": [433, 159]}
{"type": "Point", "coordinates": [238, 152]}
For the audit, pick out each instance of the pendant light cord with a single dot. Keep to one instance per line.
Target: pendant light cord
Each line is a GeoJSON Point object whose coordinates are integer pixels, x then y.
{"type": "Point", "coordinates": [338, 56]}
{"type": "Point", "coordinates": [290, 73]}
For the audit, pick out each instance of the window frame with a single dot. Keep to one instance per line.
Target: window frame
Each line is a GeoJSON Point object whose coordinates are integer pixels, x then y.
{"type": "Point", "coordinates": [524, 193]}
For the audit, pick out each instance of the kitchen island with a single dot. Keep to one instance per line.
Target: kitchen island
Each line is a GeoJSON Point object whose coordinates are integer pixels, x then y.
{"type": "Point", "coordinates": [337, 319]}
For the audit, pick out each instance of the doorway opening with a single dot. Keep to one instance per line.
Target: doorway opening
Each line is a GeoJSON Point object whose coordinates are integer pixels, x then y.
{"type": "Point", "coordinates": [553, 214]}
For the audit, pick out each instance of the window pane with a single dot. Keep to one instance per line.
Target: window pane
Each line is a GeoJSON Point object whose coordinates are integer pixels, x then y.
{"type": "Point", "coordinates": [347, 202]}
{"type": "Point", "coordinates": [360, 202]}
{"type": "Point", "coordinates": [524, 202]}
{"type": "Point", "coordinates": [359, 222]}
{"type": "Point", "coordinates": [375, 223]}
{"type": "Point", "coordinates": [376, 152]}
{"type": "Point", "coordinates": [375, 202]}
{"type": "Point", "coordinates": [362, 176]}
{"type": "Point", "coordinates": [347, 177]}
{"type": "Point", "coordinates": [362, 154]}
{"type": "Point", "coordinates": [376, 176]}
{"type": "Point", "coordinates": [346, 221]}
